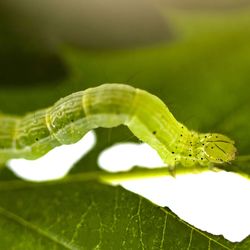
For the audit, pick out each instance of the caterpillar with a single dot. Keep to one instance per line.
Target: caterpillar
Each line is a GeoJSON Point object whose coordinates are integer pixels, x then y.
{"type": "Point", "coordinates": [110, 105]}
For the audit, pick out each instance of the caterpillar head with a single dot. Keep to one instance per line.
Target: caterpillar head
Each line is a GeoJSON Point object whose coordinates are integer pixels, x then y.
{"type": "Point", "coordinates": [218, 148]}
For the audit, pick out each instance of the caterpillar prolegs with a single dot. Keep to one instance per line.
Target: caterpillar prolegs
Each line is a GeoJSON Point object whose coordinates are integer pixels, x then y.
{"type": "Point", "coordinates": [110, 105]}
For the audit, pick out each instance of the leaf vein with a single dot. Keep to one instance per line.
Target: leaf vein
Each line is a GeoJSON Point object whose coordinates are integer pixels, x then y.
{"type": "Point", "coordinates": [190, 238]}
{"type": "Point", "coordinates": [139, 223]}
{"type": "Point", "coordinates": [164, 231]}
{"type": "Point", "coordinates": [80, 223]}
{"type": "Point", "coordinates": [24, 223]}
{"type": "Point", "coordinates": [197, 230]}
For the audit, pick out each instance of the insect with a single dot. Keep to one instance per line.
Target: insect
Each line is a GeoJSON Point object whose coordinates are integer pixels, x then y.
{"type": "Point", "coordinates": [110, 105]}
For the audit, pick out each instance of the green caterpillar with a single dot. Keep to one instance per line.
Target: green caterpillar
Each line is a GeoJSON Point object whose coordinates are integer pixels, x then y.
{"type": "Point", "coordinates": [110, 105]}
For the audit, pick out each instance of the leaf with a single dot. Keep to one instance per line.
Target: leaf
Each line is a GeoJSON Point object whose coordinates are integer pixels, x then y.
{"type": "Point", "coordinates": [88, 215]}
{"type": "Point", "coordinates": [204, 79]}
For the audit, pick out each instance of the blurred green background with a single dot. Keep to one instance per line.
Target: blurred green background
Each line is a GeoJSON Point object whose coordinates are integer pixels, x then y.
{"type": "Point", "coordinates": [195, 55]}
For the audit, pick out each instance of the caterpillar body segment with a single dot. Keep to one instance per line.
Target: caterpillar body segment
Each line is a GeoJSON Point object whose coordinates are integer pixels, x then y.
{"type": "Point", "coordinates": [111, 105]}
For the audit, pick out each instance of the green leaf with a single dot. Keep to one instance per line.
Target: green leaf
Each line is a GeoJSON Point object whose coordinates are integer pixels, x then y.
{"type": "Point", "coordinates": [88, 215]}
{"type": "Point", "coordinates": [204, 79]}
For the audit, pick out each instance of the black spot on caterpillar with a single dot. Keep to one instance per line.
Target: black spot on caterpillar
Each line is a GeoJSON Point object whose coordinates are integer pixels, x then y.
{"type": "Point", "coordinates": [110, 105]}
